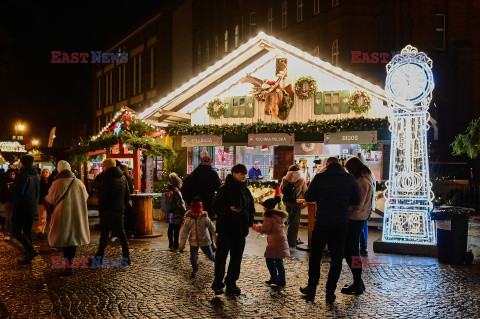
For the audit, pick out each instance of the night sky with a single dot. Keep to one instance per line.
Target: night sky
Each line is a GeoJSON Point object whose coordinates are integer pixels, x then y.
{"type": "Point", "coordinates": [40, 93]}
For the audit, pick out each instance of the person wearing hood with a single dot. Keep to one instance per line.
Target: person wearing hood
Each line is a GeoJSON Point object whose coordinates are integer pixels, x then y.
{"type": "Point", "coordinates": [177, 213]}
{"type": "Point", "coordinates": [69, 226]}
{"type": "Point", "coordinates": [295, 183]}
{"type": "Point", "coordinates": [277, 247]}
{"type": "Point", "coordinates": [112, 194]}
{"type": "Point", "coordinates": [25, 206]}
{"type": "Point", "coordinates": [197, 228]}
{"type": "Point", "coordinates": [202, 182]}
{"type": "Point", "coordinates": [7, 194]}
{"type": "Point", "coordinates": [235, 211]}
{"type": "Point", "coordinates": [334, 191]}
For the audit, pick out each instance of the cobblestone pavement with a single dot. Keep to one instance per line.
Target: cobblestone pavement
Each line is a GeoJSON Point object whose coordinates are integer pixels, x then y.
{"type": "Point", "coordinates": [157, 285]}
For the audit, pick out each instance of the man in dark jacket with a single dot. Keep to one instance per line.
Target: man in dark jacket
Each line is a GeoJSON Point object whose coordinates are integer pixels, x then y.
{"type": "Point", "coordinates": [203, 182]}
{"type": "Point", "coordinates": [25, 205]}
{"type": "Point", "coordinates": [235, 211]}
{"type": "Point", "coordinates": [112, 194]}
{"type": "Point", "coordinates": [334, 191]}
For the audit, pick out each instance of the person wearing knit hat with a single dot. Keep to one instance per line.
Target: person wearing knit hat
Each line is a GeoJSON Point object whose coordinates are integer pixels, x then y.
{"type": "Point", "coordinates": [255, 173]}
{"type": "Point", "coordinates": [277, 247]}
{"type": "Point", "coordinates": [177, 209]}
{"type": "Point", "coordinates": [293, 187]}
{"type": "Point", "coordinates": [113, 194]}
{"type": "Point", "coordinates": [197, 228]}
{"type": "Point", "coordinates": [109, 162]}
{"type": "Point", "coordinates": [69, 227]}
{"type": "Point", "coordinates": [25, 206]}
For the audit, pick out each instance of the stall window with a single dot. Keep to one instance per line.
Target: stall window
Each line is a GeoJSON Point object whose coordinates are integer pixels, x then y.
{"type": "Point", "coordinates": [270, 21]}
{"type": "Point", "coordinates": [316, 51]}
{"type": "Point", "coordinates": [299, 10]}
{"type": "Point", "coordinates": [316, 7]}
{"type": "Point", "coordinates": [239, 106]}
{"type": "Point", "coordinates": [216, 46]}
{"type": "Point", "coordinates": [335, 52]}
{"type": "Point", "coordinates": [151, 78]}
{"type": "Point", "coordinates": [331, 102]}
{"type": "Point", "coordinates": [284, 15]}
{"type": "Point", "coordinates": [440, 31]}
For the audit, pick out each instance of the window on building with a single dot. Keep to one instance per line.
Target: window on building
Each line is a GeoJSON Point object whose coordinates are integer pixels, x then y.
{"type": "Point", "coordinates": [226, 41]}
{"type": "Point", "coordinates": [199, 54]}
{"type": "Point", "coordinates": [99, 98]}
{"type": "Point", "coordinates": [207, 50]}
{"type": "Point", "coordinates": [270, 21]}
{"type": "Point", "coordinates": [299, 10]}
{"type": "Point", "coordinates": [137, 77]}
{"type": "Point", "coordinates": [335, 3]}
{"type": "Point", "coordinates": [284, 15]}
{"type": "Point", "coordinates": [216, 46]}
{"type": "Point", "coordinates": [107, 92]}
{"type": "Point", "coordinates": [124, 81]}
{"type": "Point", "coordinates": [316, 51]}
{"type": "Point", "coordinates": [237, 35]}
{"type": "Point", "coordinates": [150, 69]}
{"type": "Point", "coordinates": [316, 6]}
{"type": "Point", "coordinates": [110, 88]}
{"type": "Point", "coordinates": [253, 24]}
{"type": "Point", "coordinates": [440, 32]}
{"type": "Point", "coordinates": [335, 52]}
{"type": "Point", "coordinates": [99, 124]}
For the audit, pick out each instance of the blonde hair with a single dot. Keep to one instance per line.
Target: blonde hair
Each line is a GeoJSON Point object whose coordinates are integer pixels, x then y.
{"type": "Point", "coordinates": [46, 170]}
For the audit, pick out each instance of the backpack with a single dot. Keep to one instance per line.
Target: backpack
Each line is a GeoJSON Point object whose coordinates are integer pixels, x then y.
{"type": "Point", "coordinates": [167, 202]}
{"type": "Point", "coordinates": [289, 192]}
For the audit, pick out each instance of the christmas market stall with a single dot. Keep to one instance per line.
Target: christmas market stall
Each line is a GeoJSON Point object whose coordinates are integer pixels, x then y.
{"type": "Point", "coordinates": [11, 152]}
{"type": "Point", "coordinates": [270, 104]}
{"type": "Point", "coordinates": [134, 143]}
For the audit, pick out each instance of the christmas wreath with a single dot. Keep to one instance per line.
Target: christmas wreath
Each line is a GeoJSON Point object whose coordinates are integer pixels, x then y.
{"type": "Point", "coordinates": [219, 111]}
{"type": "Point", "coordinates": [359, 101]}
{"type": "Point", "coordinates": [312, 87]}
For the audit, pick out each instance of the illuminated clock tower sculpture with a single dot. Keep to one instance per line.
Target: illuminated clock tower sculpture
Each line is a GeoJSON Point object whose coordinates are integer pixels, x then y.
{"type": "Point", "coordinates": [409, 87]}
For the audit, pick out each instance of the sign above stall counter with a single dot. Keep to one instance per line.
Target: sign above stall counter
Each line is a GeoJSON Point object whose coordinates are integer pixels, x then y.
{"type": "Point", "coordinates": [353, 137]}
{"type": "Point", "coordinates": [271, 139]}
{"type": "Point", "coordinates": [201, 140]}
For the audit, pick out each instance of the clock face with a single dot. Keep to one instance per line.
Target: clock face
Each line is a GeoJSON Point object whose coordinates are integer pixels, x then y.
{"type": "Point", "coordinates": [410, 81]}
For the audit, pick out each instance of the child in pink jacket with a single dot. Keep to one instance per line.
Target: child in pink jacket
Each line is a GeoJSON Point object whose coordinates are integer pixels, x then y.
{"type": "Point", "coordinates": [277, 247]}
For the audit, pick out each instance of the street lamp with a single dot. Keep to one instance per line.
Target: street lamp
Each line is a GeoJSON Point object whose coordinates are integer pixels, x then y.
{"type": "Point", "coordinates": [19, 129]}
{"type": "Point", "coordinates": [35, 142]}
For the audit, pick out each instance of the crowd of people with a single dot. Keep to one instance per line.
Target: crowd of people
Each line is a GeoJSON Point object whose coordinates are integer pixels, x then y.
{"type": "Point", "coordinates": [344, 200]}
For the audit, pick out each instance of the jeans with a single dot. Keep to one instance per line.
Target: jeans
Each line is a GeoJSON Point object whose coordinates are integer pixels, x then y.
{"type": "Point", "coordinates": [276, 269]}
{"type": "Point", "coordinates": [293, 224]}
{"type": "Point", "coordinates": [225, 244]}
{"type": "Point", "coordinates": [22, 230]}
{"type": "Point", "coordinates": [114, 224]}
{"type": "Point", "coordinates": [364, 237]}
{"type": "Point", "coordinates": [207, 250]}
{"type": "Point", "coordinates": [173, 234]}
{"type": "Point", "coordinates": [352, 245]}
{"type": "Point", "coordinates": [7, 229]}
{"type": "Point", "coordinates": [334, 236]}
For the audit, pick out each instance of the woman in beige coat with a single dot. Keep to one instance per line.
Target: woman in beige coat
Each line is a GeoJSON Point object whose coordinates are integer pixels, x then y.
{"type": "Point", "coordinates": [69, 222]}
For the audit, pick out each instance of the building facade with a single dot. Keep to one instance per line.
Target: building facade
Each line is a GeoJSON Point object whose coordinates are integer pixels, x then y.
{"type": "Point", "coordinates": [360, 36]}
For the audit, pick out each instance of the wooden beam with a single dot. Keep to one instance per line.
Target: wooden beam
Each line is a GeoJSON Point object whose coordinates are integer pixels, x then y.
{"type": "Point", "coordinates": [175, 114]}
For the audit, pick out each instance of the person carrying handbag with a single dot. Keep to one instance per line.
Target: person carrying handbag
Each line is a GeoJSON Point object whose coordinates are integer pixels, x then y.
{"type": "Point", "coordinates": [69, 226]}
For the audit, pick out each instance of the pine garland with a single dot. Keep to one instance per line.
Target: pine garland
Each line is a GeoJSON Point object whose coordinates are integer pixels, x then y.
{"type": "Point", "coordinates": [317, 126]}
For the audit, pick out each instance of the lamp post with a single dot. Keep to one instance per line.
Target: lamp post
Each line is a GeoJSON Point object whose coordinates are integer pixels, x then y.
{"type": "Point", "coordinates": [35, 142]}
{"type": "Point", "coordinates": [19, 128]}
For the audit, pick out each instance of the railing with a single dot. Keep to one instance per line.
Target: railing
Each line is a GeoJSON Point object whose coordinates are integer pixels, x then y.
{"type": "Point", "coordinates": [466, 195]}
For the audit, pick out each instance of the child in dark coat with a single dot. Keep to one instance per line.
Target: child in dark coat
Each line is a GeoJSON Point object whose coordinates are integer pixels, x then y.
{"type": "Point", "coordinates": [277, 248]}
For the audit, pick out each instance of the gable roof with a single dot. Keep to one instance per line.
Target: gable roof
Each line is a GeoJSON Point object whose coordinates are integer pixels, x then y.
{"type": "Point", "coordinates": [253, 54]}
